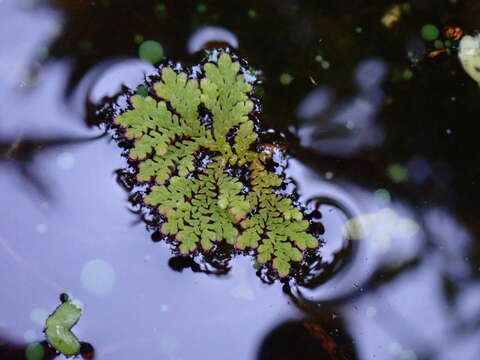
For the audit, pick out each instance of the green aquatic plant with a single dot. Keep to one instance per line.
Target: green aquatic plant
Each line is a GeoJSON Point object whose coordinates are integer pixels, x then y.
{"type": "Point", "coordinates": [58, 328]}
{"type": "Point", "coordinates": [190, 139]}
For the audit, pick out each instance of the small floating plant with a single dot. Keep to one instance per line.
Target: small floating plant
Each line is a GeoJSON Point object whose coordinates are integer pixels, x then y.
{"type": "Point", "coordinates": [58, 328]}
{"type": "Point", "coordinates": [198, 164]}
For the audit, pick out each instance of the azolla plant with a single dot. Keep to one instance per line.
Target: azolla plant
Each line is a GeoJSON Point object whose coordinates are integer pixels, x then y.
{"type": "Point", "coordinates": [193, 142]}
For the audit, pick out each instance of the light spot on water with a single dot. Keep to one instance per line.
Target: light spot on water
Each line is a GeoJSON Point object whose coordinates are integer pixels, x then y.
{"type": "Point", "coordinates": [65, 161]}
{"type": "Point", "coordinates": [38, 316]}
{"type": "Point", "coordinates": [242, 292]}
{"type": "Point", "coordinates": [408, 355]}
{"type": "Point", "coordinates": [29, 336]}
{"type": "Point", "coordinates": [395, 348]}
{"type": "Point", "coordinates": [204, 35]}
{"type": "Point", "coordinates": [98, 277]}
{"type": "Point", "coordinates": [382, 196]}
{"type": "Point", "coordinates": [371, 311]}
{"type": "Point", "coordinates": [41, 228]}
{"type": "Point", "coordinates": [77, 303]}
{"type": "Point", "coordinates": [325, 65]}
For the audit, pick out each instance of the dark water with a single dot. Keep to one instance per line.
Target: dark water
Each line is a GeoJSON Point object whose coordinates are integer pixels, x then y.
{"type": "Point", "coordinates": [399, 153]}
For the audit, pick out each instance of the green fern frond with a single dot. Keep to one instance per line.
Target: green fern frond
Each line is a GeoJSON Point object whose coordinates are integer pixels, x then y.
{"type": "Point", "coordinates": [208, 204]}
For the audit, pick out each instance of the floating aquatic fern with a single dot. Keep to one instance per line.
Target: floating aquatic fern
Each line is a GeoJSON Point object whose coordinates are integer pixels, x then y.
{"type": "Point", "coordinates": [203, 202]}
{"type": "Point", "coordinates": [58, 328]}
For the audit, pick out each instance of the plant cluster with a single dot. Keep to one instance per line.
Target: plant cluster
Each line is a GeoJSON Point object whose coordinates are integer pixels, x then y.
{"type": "Point", "coordinates": [189, 139]}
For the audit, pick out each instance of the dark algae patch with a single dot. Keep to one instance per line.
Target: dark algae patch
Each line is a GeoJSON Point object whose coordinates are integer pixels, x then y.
{"type": "Point", "coordinates": [194, 149]}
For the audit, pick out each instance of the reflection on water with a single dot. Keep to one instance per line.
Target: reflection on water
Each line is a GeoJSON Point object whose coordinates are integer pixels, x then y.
{"type": "Point", "coordinates": [350, 126]}
{"type": "Point", "coordinates": [389, 165]}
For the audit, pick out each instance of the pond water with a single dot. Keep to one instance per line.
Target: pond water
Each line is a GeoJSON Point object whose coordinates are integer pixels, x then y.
{"type": "Point", "coordinates": [380, 127]}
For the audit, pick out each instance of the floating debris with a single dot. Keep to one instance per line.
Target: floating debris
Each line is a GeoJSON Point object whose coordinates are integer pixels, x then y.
{"type": "Point", "coordinates": [452, 32]}
{"type": "Point", "coordinates": [392, 16]}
